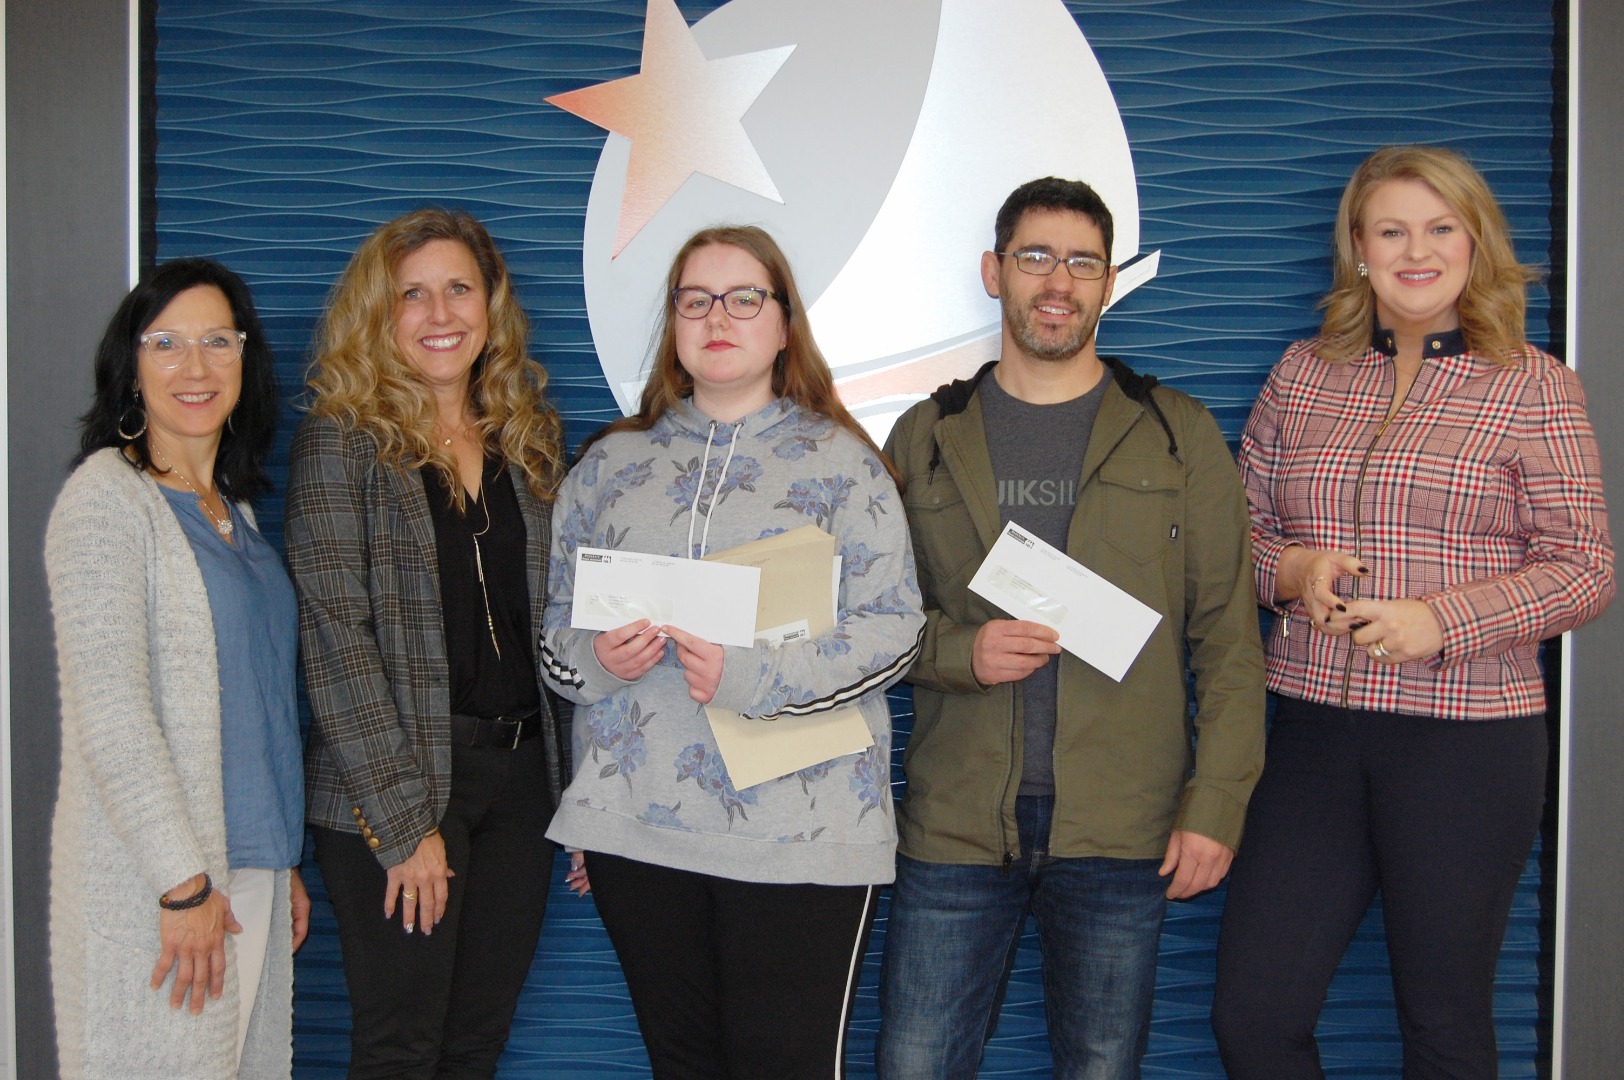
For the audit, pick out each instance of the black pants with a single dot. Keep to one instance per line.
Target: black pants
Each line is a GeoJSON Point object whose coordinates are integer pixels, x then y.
{"type": "Point", "coordinates": [1439, 816]}
{"type": "Point", "coordinates": [439, 1006]}
{"type": "Point", "coordinates": [734, 980]}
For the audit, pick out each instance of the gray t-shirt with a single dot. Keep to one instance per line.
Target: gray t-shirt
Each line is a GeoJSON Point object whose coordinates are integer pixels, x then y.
{"type": "Point", "coordinates": [1037, 457]}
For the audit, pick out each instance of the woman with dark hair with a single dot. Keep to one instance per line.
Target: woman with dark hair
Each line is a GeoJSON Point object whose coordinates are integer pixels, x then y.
{"type": "Point", "coordinates": [1427, 507]}
{"type": "Point", "coordinates": [417, 528]}
{"type": "Point", "coordinates": [739, 916]}
{"type": "Point", "coordinates": [178, 824]}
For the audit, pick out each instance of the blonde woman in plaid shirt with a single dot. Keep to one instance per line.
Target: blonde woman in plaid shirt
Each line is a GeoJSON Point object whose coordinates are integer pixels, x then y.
{"type": "Point", "coordinates": [1426, 508]}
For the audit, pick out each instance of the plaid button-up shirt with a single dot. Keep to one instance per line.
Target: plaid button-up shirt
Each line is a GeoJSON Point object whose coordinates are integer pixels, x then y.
{"type": "Point", "coordinates": [1481, 498]}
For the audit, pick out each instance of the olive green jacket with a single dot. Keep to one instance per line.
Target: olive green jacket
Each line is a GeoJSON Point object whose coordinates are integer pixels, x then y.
{"type": "Point", "coordinates": [1161, 514]}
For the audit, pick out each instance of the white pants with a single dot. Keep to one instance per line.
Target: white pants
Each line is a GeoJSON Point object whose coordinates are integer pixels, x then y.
{"type": "Point", "coordinates": [252, 894]}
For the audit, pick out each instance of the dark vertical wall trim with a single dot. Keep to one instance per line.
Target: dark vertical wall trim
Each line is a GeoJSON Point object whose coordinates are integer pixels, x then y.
{"type": "Point", "coordinates": [66, 264]}
{"type": "Point", "coordinates": [147, 176]}
{"type": "Point", "coordinates": [1592, 1038]}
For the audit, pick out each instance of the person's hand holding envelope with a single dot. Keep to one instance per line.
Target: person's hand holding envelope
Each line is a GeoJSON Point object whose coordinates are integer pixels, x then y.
{"type": "Point", "coordinates": [780, 591]}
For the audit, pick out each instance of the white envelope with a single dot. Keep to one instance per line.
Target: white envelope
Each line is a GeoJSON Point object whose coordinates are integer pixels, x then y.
{"type": "Point", "coordinates": [714, 601]}
{"type": "Point", "coordinates": [1033, 580]}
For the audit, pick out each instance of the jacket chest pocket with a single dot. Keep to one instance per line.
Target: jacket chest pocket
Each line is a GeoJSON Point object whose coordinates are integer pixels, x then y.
{"type": "Point", "coordinates": [944, 536]}
{"type": "Point", "coordinates": [1141, 506]}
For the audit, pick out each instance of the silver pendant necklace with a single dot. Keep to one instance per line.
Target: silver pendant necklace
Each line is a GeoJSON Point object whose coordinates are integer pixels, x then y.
{"type": "Point", "coordinates": [224, 526]}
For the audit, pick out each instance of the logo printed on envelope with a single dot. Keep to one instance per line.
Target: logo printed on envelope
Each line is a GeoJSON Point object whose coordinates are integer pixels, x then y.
{"type": "Point", "coordinates": [1033, 580]}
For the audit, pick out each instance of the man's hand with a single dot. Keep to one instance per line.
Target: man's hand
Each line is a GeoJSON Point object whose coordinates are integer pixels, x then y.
{"type": "Point", "coordinates": [1008, 650]}
{"type": "Point", "coordinates": [1197, 863]}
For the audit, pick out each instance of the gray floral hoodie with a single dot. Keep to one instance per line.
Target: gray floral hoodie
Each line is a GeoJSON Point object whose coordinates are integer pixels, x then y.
{"type": "Point", "coordinates": [649, 783]}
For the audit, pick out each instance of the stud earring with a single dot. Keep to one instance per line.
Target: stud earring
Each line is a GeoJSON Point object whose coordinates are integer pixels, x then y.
{"type": "Point", "coordinates": [1364, 271]}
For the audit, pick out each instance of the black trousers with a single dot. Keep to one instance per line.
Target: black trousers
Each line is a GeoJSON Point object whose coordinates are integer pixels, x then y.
{"type": "Point", "coordinates": [1438, 815]}
{"type": "Point", "coordinates": [438, 1007]}
{"type": "Point", "coordinates": [735, 980]}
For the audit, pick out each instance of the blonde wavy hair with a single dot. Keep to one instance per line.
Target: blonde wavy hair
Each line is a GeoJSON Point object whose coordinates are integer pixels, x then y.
{"type": "Point", "coordinates": [800, 372]}
{"type": "Point", "coordinates": [360, 378]}
{"type": "Point", "coordinates": [1492, 306]}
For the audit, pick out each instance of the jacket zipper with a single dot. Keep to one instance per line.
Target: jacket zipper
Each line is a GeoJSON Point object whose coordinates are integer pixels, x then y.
{"type": "Point", "coordinates": [1358, 495]}
{"type": "Point", "coordinates": [1013, 779]}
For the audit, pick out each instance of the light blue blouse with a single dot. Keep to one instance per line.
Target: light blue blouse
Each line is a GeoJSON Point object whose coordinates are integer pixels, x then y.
{"type": "Point", "coordinates": [256, 642]}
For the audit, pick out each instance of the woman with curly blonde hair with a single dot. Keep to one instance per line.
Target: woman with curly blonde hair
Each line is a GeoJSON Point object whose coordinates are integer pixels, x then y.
{"type": "Point", "coordinates": [418, 529]}
{"type": "Point", "coordinates": [1427, 506]}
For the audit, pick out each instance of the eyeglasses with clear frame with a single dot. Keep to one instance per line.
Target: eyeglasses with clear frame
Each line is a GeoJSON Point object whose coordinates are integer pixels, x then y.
{"type": "Point", "coordinates": [694, 303]}
{"type": "Point", "coordinates": [1042, 264]}
{"type": "Point", "coordinates": [168, 348]}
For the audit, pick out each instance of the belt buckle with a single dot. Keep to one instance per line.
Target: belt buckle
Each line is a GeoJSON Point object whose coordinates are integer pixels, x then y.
{"type": "Point", "coordinates": [518, 731]}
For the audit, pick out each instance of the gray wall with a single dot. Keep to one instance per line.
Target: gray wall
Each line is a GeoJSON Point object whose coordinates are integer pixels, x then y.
{"type": "Point", "coordinates": [66, 268]}
{"type": "Point", "coordinates": [1593, 1038]}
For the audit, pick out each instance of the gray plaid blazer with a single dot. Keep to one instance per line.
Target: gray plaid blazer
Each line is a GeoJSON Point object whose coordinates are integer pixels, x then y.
{"type": "Point", "coordinates": [362, 554]}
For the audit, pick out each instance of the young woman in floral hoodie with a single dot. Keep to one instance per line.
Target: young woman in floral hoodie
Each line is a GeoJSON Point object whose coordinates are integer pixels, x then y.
{"type": "Point", "coordinates": [739, 916]}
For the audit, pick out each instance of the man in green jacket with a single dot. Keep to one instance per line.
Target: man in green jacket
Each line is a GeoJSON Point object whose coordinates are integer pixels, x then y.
{"type": "Point", "coordinates": [1036, 783]}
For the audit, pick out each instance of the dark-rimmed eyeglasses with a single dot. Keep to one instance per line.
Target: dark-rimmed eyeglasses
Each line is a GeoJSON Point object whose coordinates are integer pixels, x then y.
{"type": "Point", "coordinates": [169, 349]}
{"type": "Point", "coordinates": [1042, 264]}
{"type": "Point", "coordinates": [746, 303]}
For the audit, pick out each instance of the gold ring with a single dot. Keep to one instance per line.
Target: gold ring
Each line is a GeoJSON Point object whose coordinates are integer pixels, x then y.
{"type": "Point", "coordinates": [1379, 651]}
{"type": "Point", "coordinates": [408, 895]}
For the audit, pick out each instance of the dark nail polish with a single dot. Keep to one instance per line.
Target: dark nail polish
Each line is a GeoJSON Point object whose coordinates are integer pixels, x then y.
{"type": "Point", "coordinates": [1342, 607]}
{"type": "Point", "coordinates": [1364, 569]}
{"type": "Point", "coordinates": [1327, 616]}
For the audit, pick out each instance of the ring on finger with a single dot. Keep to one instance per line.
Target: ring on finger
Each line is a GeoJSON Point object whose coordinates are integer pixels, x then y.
{"type": "Point", "coordinates": [1379, 651]}
{"type": "Point", "coordinates": [408, 895]}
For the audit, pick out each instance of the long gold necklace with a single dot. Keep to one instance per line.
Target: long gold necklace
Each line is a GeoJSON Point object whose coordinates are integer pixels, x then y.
{"type": "Point", "coordinates": [479, 566]}
{"type": "Point", "coordinates": [221, 526]}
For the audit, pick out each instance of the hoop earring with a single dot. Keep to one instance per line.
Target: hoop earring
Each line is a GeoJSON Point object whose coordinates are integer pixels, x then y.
{"type": "Point", "coordinates": [1364, 271]}
{"type": "Point", "coordinates": [142, 430]}
{"type": "Point", "coordinates": [230, 416]}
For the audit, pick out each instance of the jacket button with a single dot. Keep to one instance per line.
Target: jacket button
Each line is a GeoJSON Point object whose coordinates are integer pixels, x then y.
{"type": "Point", "coordinates": [372, 842]}
{"type": "Point", "coordinates": [1144, 483]}
{"type": "Point", "coordinates": [356, 810]}
{"type": "Point", "coordinates": [361, 821]}
{"type": "Point", "coordinates": [1437, 344]}
{"type": "Point", "coordinates": [367, 833]}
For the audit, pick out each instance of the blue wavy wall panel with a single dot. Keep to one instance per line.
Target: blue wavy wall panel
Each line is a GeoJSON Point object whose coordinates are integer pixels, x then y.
{"type": "Point", "coordinates": [287, 129]}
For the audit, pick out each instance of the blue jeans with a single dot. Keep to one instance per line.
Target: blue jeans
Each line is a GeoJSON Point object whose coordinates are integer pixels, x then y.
{"type": "Point", "coordinates": [951, 940]}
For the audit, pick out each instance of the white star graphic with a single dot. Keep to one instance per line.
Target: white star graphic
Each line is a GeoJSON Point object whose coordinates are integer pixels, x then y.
{"type": "Point", "coordinates": [682, 113]}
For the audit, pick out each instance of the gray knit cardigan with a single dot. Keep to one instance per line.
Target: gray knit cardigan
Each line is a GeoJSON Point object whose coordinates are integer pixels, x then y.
{"type": "Point", "coordinates": [139, 807]}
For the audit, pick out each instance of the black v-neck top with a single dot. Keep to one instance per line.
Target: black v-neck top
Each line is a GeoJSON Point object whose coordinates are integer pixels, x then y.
{"type": "Point", "coordinates": [484, 683]}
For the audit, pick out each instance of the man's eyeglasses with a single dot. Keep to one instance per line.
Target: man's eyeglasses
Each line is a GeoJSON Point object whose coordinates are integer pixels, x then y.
{"type": "Point", "coordinates": [1041, 263]}
{"type": "Point", "coordinates": [692, 303]}
{"type": "Point", "coordinates": [169, 349]}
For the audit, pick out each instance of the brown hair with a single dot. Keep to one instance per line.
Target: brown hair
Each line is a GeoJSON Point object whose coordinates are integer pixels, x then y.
{"type": "Point", "coordinates": [800, 372]}
{"type": "Point", "coordinates": [1492, 305]}
{"type": "Point", "coordinates": [360, 377]}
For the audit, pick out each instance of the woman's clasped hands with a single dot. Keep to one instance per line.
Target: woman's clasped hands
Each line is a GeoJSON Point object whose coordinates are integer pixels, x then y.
{"type": "Point", "coordinates": [1390, 631]}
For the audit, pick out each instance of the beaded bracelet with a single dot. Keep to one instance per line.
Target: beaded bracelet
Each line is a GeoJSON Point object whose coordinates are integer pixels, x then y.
{"type": "Point", "coordinates": [195, 900]}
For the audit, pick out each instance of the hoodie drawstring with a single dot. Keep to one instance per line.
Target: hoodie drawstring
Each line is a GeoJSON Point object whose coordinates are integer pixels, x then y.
{"type": "Point", "coordinates": [699, 488]}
